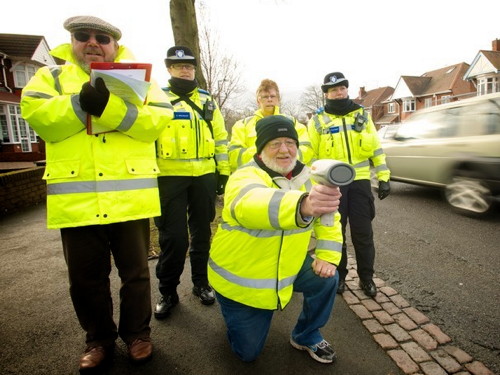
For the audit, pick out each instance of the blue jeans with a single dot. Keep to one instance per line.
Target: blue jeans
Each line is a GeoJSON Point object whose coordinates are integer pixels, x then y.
{"type": "Point", "coordinates": [248, 327]}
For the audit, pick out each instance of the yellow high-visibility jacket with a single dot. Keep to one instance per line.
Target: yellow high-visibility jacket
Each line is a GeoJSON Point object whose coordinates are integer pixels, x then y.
{"type": "Point", "coordinates": [243, 135]}
{"type": "Point", "coordinates": [261, 242]}
{"type": "Point", "coordinates": [336, 137]}
{"type": "Point", "coordinates": [94, 179]}
{"type": "Point", "coordinates": [187, 146]}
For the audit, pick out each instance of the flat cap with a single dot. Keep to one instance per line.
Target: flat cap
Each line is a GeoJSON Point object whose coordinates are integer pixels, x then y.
{"type": "Point", "coordinates": [73, 24]}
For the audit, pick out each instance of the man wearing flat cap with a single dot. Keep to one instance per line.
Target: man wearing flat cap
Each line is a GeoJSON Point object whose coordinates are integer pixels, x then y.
{"type": "Point", "coordinates": [194, 167]}
{"type": "Point", "coordinates": [101, 189]}
{"type": "Point", "coordinates": [259, 255]}
{"type": "Point", "coordinates": [344, 131]}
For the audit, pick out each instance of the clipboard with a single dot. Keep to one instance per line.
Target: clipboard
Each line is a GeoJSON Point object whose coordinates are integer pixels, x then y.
{"type": "Point", "coordinates": [128, 80]}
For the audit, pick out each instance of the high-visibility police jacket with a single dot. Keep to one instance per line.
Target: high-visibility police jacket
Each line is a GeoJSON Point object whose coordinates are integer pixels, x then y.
{"type": "Point", "coordinates": [260, 244]}
{"type": "Point", "coordinates": [242, 144]}
{"type": "Point", "coordinates": [337, 137]}
{"type": "Point", "coordinates": [94, 179]}
{"type": "Point", "coordinates": [187, 146]}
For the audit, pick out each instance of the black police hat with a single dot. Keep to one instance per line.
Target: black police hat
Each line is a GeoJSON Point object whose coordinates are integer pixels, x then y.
{"type": "Point", "coordinates": [180, 54]}
{"type": "Point", "coordinates": [334, 79]}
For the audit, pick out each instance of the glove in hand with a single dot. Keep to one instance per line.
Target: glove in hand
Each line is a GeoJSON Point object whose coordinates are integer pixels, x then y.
{"type": "Point", "coordinates": [94, 99]}
{"type": "Point", "coordinates": [221, 184]}
{"type": "Point", "coordinates": [384, 188]}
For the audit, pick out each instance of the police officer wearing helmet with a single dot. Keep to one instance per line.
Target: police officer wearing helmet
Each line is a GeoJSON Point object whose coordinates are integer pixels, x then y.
{"type": "Point", "coordinates": [194, 167]}
{"type": "Point", "coordinates": [344, 131]}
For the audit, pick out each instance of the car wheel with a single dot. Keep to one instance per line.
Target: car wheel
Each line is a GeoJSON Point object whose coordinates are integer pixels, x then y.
{"type": "Point", "coordinates": [469, 196]}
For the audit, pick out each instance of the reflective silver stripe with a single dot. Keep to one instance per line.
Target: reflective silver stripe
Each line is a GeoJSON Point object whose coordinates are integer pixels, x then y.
{"type": "Point", "coordinates": [242, 281]}
{"type": "Point", "coordinates": [100, 186]}
{"type": "Point", "coordinates": [362, 164]}
{"type": "Point", "coordinates": [240, 156]}
{"type": "Point", "coordinates": [234, 147]}
{"type": "Point", "coordinates": [378, 152]}
{"type": "Point", "coordinates": [129, 118]}
{"type": "Point", "coordinates": [262, 233]}
{"type": "Point", "coordinates": [274, 208]}
{"type": "Point", "coordinates": [317, 124]}
{"type": "Point", "coordinates": [56, 71]}
{"type": "Point", "coordinates": [189, 160]}
{"type": "Point", "coordinates": [382, 167]}
{"type": "Point", "coordinates": [221, 142]}
{"type": "Point", "coordinates": [221, 157]}
{"type": "Point", "coordinates": [79, 112]}
{"type": "Point", "coordinates": [305, 143]}
{"type": "Point", "coordinates": [161, 105]}
{"type": "Point", "coordinates": [286, 282]}
{"type": "Point", "coordinates": [241, 194]}
{"type": "Point", "coordinates": [37, 95]}
{"type": "Point", "coordinates": [329, 245]}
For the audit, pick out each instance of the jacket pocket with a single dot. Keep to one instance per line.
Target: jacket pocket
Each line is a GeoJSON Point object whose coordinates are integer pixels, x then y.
{"type": "Point", "coordinates": [142, 167]}
{"type": "Point", "coordinates": [367, 145]}
{"type": "Point", "coordinates": [62, 169]}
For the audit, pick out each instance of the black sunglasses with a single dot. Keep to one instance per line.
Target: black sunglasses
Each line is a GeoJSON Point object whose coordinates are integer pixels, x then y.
{"type": "Point", "coordinates": [83, 37]}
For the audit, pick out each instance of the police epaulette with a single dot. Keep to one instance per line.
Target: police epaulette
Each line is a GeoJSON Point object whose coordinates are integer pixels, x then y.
{"type": "Point", "coordinates": [203, 91]}
{"type": "Point", "coordinates": [320, 110]}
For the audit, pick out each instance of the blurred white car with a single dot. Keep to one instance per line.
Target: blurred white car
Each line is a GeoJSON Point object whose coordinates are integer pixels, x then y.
{"type": "Point", "coordinates": [454, 146]}
{"type": "Point", "coordinates": [386, 133]}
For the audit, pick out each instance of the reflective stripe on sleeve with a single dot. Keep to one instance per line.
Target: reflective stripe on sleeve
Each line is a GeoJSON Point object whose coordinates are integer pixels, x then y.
{"type": "Point", "coordinates": [329, 245]}
{"type": "Point", "coordinates": [129, 118]}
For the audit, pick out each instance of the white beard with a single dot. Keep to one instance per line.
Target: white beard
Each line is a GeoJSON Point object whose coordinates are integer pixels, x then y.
{"type": "Point", "coordinates": [271, 164]}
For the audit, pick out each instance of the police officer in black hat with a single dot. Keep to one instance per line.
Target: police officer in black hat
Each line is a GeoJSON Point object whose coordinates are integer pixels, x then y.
{"type": "Point", "coordinates": [344, 131]}
{"type": "Point", "coordinates": [194, 167]}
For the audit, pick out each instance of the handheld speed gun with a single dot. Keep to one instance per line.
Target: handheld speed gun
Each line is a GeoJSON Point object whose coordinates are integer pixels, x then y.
{"type": "Point", "coordinates": [331, 173]}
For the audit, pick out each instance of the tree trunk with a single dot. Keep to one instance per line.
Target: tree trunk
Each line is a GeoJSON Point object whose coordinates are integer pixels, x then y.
{"type": "Point", "coordinates": [185, 30]}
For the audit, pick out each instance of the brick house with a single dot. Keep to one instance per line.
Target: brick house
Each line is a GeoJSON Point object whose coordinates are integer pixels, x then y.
{"type": "Point", "coordinates": [432, 88]}
{"type": "Point", "coordinates": [374, 102]}
{"type": "Point", "coordinates": [484, 71]}
{"type": "Point", "coordinates": [20, 58]}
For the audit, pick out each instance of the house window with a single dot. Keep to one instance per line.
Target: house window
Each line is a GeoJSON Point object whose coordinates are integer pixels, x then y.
{"type": "Point", "coordinates": [15, 129]}
{"type": "Point", "coordinates": [23, 73]}
{"type": "Point", "coordinates": [445, 99]}
{"type": "Point", "coordinates": [391, 108]}
{"type": "Point", "coordinates": [488, 85]}
{"type": "Point", "coordinates": [4, 123]}
{"type": "Point", "coordinates": [427, 102]}
{"type": "Point", "coordinates": [409, 105]}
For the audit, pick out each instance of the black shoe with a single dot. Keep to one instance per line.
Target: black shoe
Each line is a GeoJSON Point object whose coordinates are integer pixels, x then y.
{"type": "Point", "coordinates": [368, 287]}
{"type": "Point", "coordinates": [341, 287]}
{"type": "Point", "coordinates": [165, 305]}
{"type": "Point", "coordinates": [205, 293]}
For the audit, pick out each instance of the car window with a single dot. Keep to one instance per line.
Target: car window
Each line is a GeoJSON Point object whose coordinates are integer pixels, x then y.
{"type": "Point", "coordinates": [425, 125]}
{"type": "Point", "coordinates": [480, 119]}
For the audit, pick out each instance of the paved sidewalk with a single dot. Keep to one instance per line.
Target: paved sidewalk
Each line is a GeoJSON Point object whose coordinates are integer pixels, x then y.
{"type": "Point", "coordinates": [40, 333]}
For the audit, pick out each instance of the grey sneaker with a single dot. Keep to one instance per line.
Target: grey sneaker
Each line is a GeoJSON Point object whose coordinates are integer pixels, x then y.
{"type": "Point", "coordinates": [321, 352]}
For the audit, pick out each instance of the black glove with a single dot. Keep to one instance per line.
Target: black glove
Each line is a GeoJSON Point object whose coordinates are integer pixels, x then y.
{"type": "Point", "coordinates": [94, 99]}
{"type": "Point", "coordinates": [384, 188]}
{"type": "Point", "coordinates": [221, 184]}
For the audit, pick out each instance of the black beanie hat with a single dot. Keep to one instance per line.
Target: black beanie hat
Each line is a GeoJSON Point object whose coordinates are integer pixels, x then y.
{"type": "Point", "coordinates": [272, 127]}
{"type": "Point", "coordinates": [180, 54]}
{"type": "Point", "coordinates": [334, 79]}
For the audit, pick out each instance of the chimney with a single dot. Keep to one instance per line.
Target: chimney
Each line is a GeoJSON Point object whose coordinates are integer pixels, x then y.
{"type": "Point", "coordinates": [362, 92]}
{"type": "Point", "coordinates": [495, 45]}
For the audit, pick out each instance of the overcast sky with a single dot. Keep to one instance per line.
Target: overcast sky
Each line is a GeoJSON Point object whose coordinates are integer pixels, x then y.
{"type": "Point", "coordinates": [294, 42]}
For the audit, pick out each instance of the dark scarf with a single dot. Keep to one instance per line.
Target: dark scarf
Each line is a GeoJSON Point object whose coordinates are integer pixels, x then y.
{"type": "Point", "coordinates": [181, 86]}
{"type": "Point", "coordinates": [340, 107]}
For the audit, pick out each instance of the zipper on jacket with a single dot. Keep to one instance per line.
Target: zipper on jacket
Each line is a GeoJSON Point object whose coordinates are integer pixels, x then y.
{"type": "Point", "coordinates": [346, 136]}
{"type": "Point", "coordinates": [277, 273]}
